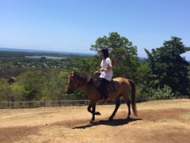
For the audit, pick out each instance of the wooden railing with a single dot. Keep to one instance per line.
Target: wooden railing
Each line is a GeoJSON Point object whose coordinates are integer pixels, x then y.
{"type": "Point", "coordinates": [35, 104]}
{"type": "Point", "coordinates": [57, 103]}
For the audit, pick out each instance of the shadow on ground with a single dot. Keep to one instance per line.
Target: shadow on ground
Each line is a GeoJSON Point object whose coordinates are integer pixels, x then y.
{"type": "Point", "coordinates": [115, 122]}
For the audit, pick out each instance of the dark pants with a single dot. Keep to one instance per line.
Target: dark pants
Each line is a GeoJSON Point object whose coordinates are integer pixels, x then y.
{"type": "Point", "coordinates": [101, 87]}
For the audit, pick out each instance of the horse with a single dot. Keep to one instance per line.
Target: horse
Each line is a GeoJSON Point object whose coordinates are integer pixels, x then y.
{"type": "Point", "coordinates": [87, 84]}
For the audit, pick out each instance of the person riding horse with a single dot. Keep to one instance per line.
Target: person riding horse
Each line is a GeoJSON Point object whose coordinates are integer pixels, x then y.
{"type": "Point", "coordinates": [106, 74]}
{"type": "Point", "coordinates": [95, 89]}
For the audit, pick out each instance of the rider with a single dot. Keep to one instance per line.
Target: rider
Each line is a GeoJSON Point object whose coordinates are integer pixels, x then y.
{"type": "Point", "coordinates": [106, 74]}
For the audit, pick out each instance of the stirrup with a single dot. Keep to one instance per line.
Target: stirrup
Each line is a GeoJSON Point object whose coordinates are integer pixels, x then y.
{"type": "Point", "coordinates": [105, 101]}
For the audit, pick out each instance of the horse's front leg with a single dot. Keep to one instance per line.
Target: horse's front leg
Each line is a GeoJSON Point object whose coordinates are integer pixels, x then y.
{"type": "Point", "coordinates": [92, 111]}
{"type": "Point", "coordinates": [89, 110]}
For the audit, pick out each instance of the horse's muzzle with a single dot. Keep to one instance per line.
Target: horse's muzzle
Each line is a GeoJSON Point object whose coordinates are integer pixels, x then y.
{"type": "Point", "coordinates": [69, 92]}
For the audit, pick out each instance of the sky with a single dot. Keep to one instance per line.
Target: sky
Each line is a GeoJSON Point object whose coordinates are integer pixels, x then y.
{"type": "Point", "coordinates": [75, 25]}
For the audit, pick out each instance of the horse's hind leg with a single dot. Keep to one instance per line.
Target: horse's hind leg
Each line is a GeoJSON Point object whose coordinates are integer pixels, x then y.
{"type": "Point", "coordinates": [129, 109]}
{"type": "Point", "coordinates": [117, 104]}
{"type": "Point", "coordinates": [128, 104]}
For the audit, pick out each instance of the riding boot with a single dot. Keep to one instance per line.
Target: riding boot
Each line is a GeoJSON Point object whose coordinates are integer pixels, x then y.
{"type": "Point", "coordinates": [106, 98]}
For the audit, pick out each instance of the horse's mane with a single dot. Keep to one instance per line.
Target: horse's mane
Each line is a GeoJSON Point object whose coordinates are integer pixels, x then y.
{"type": "Point", "coordinates": [85, 78]}
{"type": "Point", "coordinates": [82, 77]}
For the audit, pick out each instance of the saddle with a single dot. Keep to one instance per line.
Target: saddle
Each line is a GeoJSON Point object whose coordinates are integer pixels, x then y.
{"type": "Point", "coordinates": [110, 87]}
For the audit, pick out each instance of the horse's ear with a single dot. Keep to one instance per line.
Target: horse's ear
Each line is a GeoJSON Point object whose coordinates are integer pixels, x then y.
{"type": "Point", "coordinates": [72, 73]}
{"type": "Point", "coordinates": [88, 79]}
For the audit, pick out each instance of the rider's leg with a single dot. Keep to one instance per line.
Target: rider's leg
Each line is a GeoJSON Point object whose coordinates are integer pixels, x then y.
{"type": "Point", "coordinates": [101, 87]}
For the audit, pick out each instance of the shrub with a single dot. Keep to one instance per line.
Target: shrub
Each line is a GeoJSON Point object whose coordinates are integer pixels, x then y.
{"type": "Point", "coordinates": [164, 93]}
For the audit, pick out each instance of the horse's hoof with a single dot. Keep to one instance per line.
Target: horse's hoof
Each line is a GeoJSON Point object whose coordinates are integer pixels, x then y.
{"type": "Point", "coordinates": [91, 121]}
{"type": "Point", "coordinates": [97, 113]}
{"type": "Point", "coordinates": [111, 118]}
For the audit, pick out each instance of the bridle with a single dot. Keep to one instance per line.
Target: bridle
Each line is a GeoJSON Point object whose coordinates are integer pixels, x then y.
{"type": "Point", "coordinates": [78, 84]}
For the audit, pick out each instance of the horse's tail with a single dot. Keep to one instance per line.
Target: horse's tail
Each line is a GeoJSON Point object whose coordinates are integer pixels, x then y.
{"type": "Point", "coordinates": [133, 97]}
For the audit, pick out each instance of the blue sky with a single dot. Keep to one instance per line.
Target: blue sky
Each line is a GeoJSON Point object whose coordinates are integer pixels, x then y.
{"type": "Point", "coordinates": [74, 25]}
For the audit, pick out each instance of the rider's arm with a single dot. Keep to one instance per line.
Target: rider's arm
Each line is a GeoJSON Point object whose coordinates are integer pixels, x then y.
{"type": "Point", "coordinates": [109, 68]}
{"type": "Point", "coordinates": [109, 65]}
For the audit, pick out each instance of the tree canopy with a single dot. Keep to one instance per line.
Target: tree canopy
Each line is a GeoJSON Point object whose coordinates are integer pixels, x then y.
{"type": "Point", "coordinates": [168, 67]}
{"type": "Point", "coordinates": [122, 50]}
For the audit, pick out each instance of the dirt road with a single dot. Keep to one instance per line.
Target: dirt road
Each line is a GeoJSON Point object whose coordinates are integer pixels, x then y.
{"type": "Point", "coordinates": [157, 122]}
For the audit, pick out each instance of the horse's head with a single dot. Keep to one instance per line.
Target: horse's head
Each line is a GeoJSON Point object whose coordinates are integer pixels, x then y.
{"type": "Point", "coordinates": [75, 81]}
{"type": "Point", "coordinates": [72, 84]}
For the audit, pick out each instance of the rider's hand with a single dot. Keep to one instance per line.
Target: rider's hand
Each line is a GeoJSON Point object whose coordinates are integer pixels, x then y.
{"type": "Point", "coordinates": [96, 72]}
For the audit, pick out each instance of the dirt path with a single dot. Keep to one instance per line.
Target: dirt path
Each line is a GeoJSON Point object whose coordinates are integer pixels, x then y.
{"type": "Point", "coordinates": [158, 121]}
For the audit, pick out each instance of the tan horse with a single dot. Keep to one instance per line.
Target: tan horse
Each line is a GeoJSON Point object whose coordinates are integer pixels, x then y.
{"type": "Point", "coordinates": [88, 86]}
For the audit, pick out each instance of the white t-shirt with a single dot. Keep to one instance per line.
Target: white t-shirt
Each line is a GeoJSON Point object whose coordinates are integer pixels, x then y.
{"type": "Point", "coordinates": [104, 65]}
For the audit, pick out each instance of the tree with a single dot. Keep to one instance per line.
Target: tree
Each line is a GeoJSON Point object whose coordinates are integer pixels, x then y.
{"type": "Point", "coordinates": [55, 85]}
{"type": "Point", "coordinates": [5, 90]}
{"type": "Point", "coordinates": [168, 67]}
{"type": "Point", "coordinates": [33, 82]}
{"type": "Point", "coordinates": [87, 65]}
{"type": "Point", "coordinates": [121, 49]}
{"type": "Point", "coordinates": [17, 92]}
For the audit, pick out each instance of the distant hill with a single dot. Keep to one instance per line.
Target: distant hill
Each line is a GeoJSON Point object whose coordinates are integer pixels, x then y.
{"type": "Point", "coordinates": [45, 51]}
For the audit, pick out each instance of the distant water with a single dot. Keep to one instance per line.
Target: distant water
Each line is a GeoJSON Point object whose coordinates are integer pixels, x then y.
{"type": "Point", "coordinates": [50, 57]}
{"type": "Point", "coordinates": [47, 57]}
{"type": "Point", "coordinates": [44, 51]}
